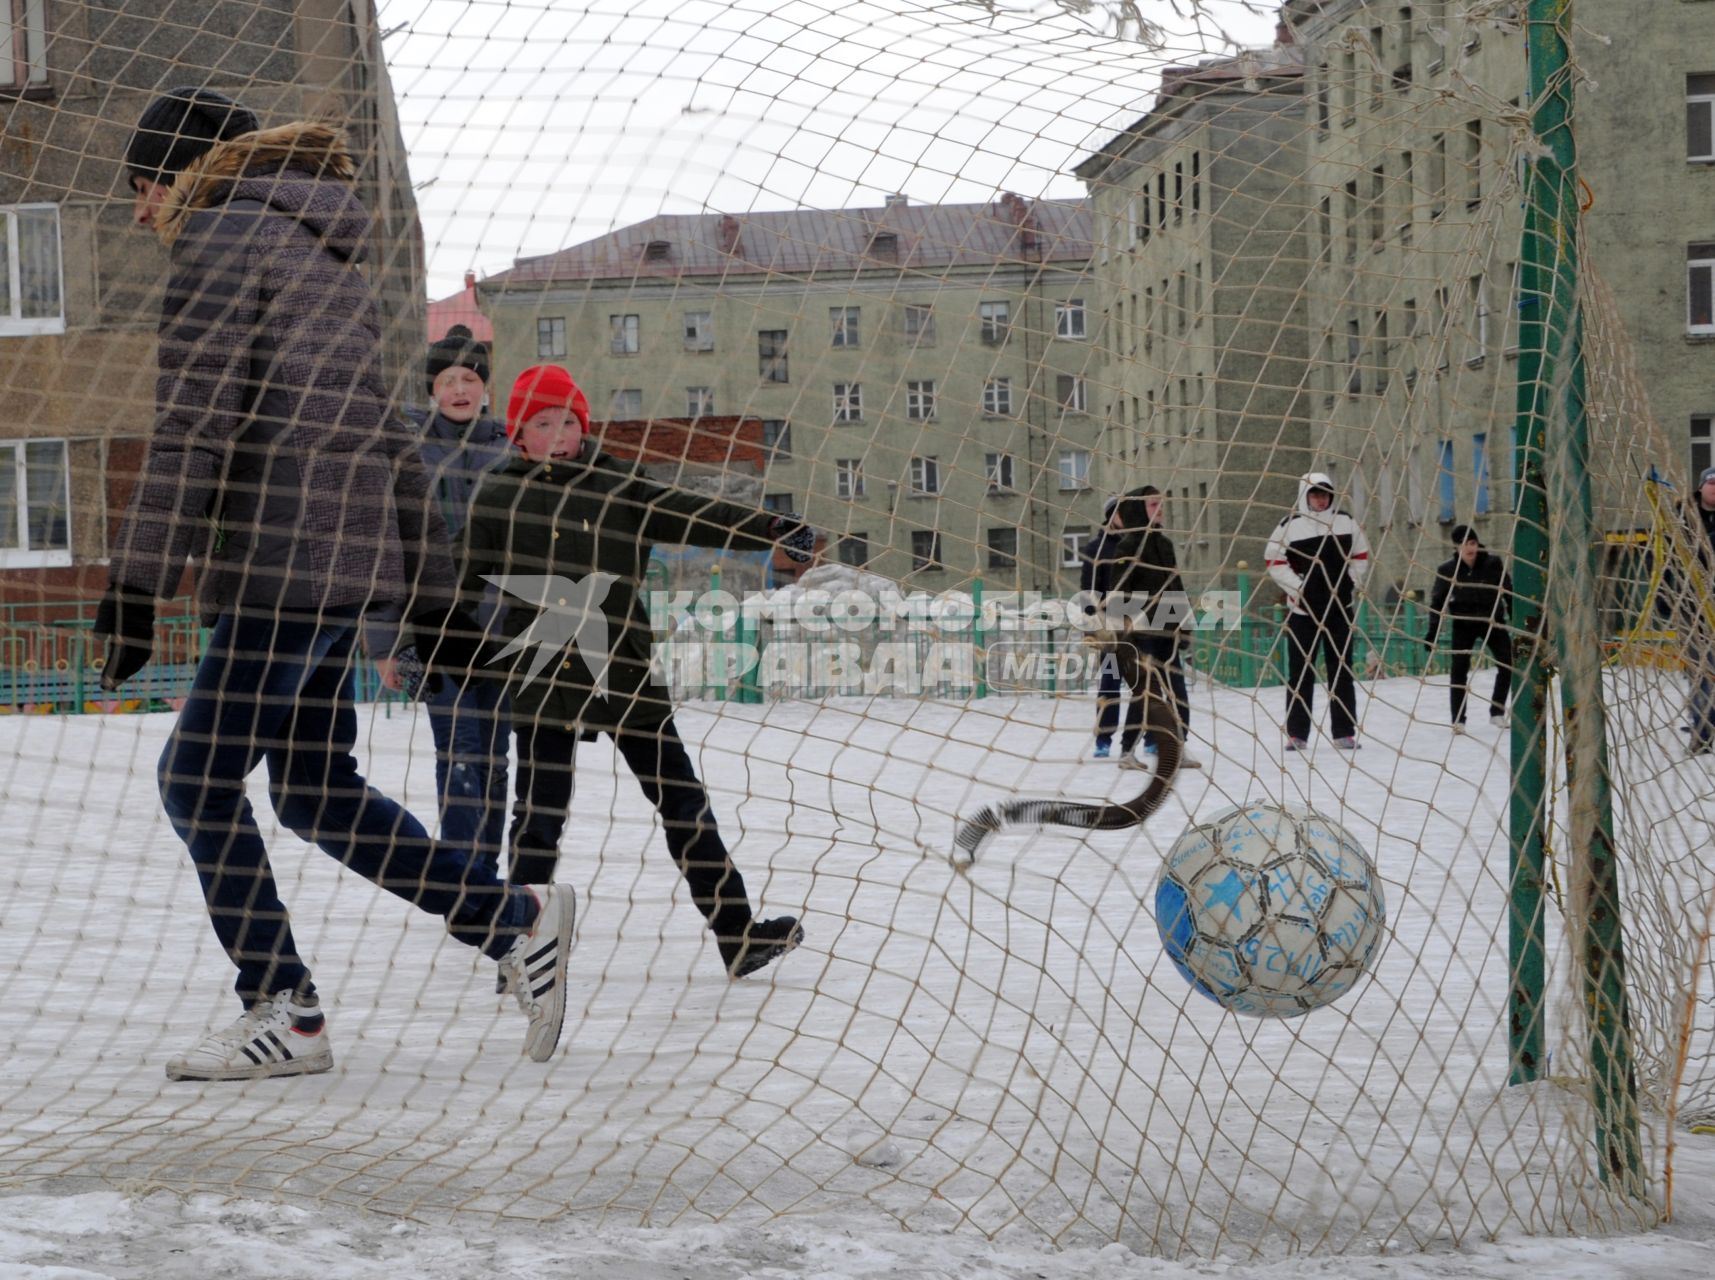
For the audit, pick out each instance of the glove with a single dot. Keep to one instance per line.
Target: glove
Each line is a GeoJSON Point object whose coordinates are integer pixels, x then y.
{"type": "Point", "coordinates": [446, 644]}
{"type": "Point", "coordinates": [127, 619]}
{"type": "Point", "coordinates": [796, 539]}
{"type": "Point", "coordinates": [413, 678]}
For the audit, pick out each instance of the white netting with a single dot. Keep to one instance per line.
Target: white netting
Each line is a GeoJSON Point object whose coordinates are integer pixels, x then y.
{"type": "Point", "coordinates": [939, 279]}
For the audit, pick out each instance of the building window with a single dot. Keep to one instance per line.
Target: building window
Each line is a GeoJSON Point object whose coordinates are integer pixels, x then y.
{"type": "Point", "coordinates": [1479, 322]}
{"type": "Point", "coordinates": [1384, 354]}
{"type": "Point", "coordinates": [1322, 111]}
{"type": "Point", "coordinates": [919, 324]}
{"type": "Point", "coordinates": [1700, 117]}
{"type": "Point", "coordinates": [550, 337]}
{"type": "Point", "coordinates": [848, 402]}
{"type": "Point", "coordinates": [1480, 473]}
{"type": "Point", "coordinates": [1074, 469]}
{"type": "Point", "coordinates": [1702, 444]}
{"type": "Point", "coordinates": [1325, 230]}
{"type": "Point", "coordinates": [848, 478]}
{"type": "Point", "coordinates": [997, 398]}
{"type": "Point", "coordinates": [35, 504]}
{"type": "Point", "coordinates": [920, 401]}
{"type": "Point", "coordinates": [996, 319]}
{"type": "Point", "coordinates": [30, 269]}
{"type": "Point", "coordinates": [1003, 548]}
{"type": "Point", "coordinates": [1069, 319]}
{"type": "Point", "coordinates": [1196, 182]}
{"type": "Point", "coordinates": [925, 475]}
{"type": "Point", "coordinates": [24, 44]}
{"type": "Point", "coordinates": [771, 355]}
{"type": "Point", "coordinates": [925, 549]}
{"type": "Point", "coordinates": [1504, 466]}
{"type": "Point", "coordinates": [1072, 546]}
{"type": "Point", "coordinates": [1378, 204]}
{"type": "Point", "coordinates": [998, 467]}
{"type": "Point", "coordinates": [622, 335]}
{"type": "Point", "coordinates": [699, 402]}
{"type": "Point", "coordinates": [1438, 175]}
{"type": "Point", "coordinates": [777, 439]}
{"type": "Point", "coordinates": [699, 331]}
{"type": "Point", "coordinates": [1354, 358]}
{"type": "Point", "coordinates": [854, 549]}
{"type": "Point", "coordinates": [1473, 164]}
{"type": "Point", "coordinates": [845, 324]}
{"type": "Point", "coordinates": [780, 502]}
{"type": "Point", "coordinates": [1073, 393]}
{"type": "Point", "coordinates": [1444, 481]}
{"type": "Point", "coordinates": [1700, 288]}
{"type": "Point", "coordinates": [627, 404]}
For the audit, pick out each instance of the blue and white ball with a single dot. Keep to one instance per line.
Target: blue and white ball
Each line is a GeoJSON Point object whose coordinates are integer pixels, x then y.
{"type": "Point", "coordinates": [1269, 911]}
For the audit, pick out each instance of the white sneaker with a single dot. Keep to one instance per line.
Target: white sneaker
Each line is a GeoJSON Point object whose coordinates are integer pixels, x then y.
{"type": "Point", "coordinates": [1189, 761]}
{"type": "Point", "coordinates": [1130, 761]}
{"type": "Point", "coordinates": [535, 968]}
{"type": "Point", "coordinates": [1500, 721]}
{"type": "Point", "coordinates": [1459, 730]}
{"type": "Point", "coordinates": [266, 1041]}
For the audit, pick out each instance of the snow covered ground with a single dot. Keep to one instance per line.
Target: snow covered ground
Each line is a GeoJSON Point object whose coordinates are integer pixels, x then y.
{"type": "Point", "coordinates": [992, 1074]}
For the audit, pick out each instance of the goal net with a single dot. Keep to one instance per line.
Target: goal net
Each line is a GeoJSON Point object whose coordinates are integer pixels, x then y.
{"type": "Point", "coordinates": [940, 281]}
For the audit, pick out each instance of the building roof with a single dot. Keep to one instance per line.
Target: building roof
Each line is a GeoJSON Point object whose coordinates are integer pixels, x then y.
{"type": "Point", "coordinates": [460, 308]}
{"type": "Point", "coordinates": [897, 236]}
{"type": "Point", "coordinates": [1254, 71]}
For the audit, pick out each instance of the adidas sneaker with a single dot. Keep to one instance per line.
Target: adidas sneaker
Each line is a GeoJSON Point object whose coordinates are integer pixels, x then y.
{"type": "Point", "coordinates": [283, 1035]}
{"type": "Point", "coordinates": [534, 967]}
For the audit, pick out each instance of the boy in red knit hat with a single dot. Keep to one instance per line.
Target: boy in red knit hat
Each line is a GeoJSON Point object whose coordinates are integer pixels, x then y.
{"type": "Point", "coordinates": [565, 531]}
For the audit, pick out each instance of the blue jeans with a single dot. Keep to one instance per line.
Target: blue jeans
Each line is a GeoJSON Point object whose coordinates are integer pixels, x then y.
{"type": "Point", "coordinates": [280, 691]}
{"type": "Point", "coordinates": [471, 727]}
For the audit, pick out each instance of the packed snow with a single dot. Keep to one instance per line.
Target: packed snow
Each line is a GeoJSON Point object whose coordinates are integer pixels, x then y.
{"type": "Point", "coordinates": [992, 1073]}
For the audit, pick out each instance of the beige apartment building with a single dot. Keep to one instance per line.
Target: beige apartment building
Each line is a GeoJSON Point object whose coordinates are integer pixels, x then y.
{"type": "Point", "coordinates": [1417, 157]}
{"type": "Point", "coordinates": [924, 372]}
{"type": "Point", "coordinates": [1200, 267]}
{"type": "Point", "coordinates": [79, 312]}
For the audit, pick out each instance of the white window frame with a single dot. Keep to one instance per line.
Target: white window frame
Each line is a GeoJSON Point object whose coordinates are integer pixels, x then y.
{"type": "Point", "coordinates": [997, 398]}
{"type": "Point", "coordinates": [848, 479]}
{"type": "Point", "coordinates": [699, 402]}
{"type": "Point", "coordinates": [1706, 103]}
{"type": "Point", "coordinates": [13, 323]}
{"type": "Point", "coordinates": [699, 331]}
{"type": "Point", "coordinates": [24, 556]}
{"type": "Point", "coordinates": [847, 325]}
{"type": "Point", "coordinates": [550, 335]}
{"type": "Point", "coordinates": [1479, 320]}
{"type": "Point", "coordinates": [1078, 398]}
{"type": "Point", "coordinates": [1074, 469]}
{"type": "Point", "coordinates": [920, 400]}
{"type": "Point", "coordinates": [626, 404]}
{"type": "Point", "coordinates": [996, 321]}
{"type": "Point", "coordinates": [860, 537]}
{"type": "Point", "coordinates": [777, 439]}
{"type": "Point", "coordinates": [1702, 451]}
{"type": "Point", "coordinates": [998, 467]}
{"type": "Point", "coordinates": [848, 402]}
{"type": "Point", "coordinates": [1071, 321]}
{"type": "Point", "coordinates": [624, 335]}
{"type": "Point", "coordinates": [1072, 542]}
{"type": "Point", "coordinates": [925, 476]}
{"type": "Point", "coordinates": [1703, 264]}
{"type": "Point", "coordinates": [32, 59]}
{"type": "Point", "coordinates": [920, 324]}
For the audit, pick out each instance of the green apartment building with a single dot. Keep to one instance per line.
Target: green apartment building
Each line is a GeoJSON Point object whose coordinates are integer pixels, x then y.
{"type": "Point", "coordinates": [924, 373]}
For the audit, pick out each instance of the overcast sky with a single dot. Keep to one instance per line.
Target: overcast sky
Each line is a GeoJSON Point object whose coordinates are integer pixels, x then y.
{"type": "Point", "coordinates": [538, 124]}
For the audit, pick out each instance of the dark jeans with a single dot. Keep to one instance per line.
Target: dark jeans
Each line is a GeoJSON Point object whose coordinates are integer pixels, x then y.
{"type": "Point", "coordinates": [658, 760]}
{"type": "Point", "coordinates": [1467, 638]}
{"type": "Point", "coordinates": [1134, 671]}
{"type": "Point", "coordinates": [1700, 669]}
{"type": "Point", "coordinates": [1332, 634]}
{"type": "Point", "coordinates": [279, 690]}
{"type": "Point", "coordinates": [471, 727]}
{"type": "Point", "coordinates": [1108, 697]}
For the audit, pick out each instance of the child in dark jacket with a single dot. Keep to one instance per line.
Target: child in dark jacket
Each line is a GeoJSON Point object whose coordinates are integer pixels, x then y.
{"type": "Point", "coordinates": [1474, 591]}
{"type": "Point", "coordinates": [565, 532]}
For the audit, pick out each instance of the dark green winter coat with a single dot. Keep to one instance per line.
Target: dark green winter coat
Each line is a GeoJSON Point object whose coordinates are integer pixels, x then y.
{"type": "Point", "coordinates": [560, 521]}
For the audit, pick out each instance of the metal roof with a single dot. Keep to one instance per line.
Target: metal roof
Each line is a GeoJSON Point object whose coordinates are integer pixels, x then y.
{"type": "Point", "coordinates": [925, 237]}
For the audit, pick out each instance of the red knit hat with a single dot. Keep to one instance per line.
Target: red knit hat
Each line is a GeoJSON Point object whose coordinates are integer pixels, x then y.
{"type": "Point", "coordinates": [545, 386]}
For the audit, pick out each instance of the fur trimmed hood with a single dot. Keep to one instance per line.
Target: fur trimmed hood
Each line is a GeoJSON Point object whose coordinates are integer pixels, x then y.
{"type": "Point", "coordinates": [285, 168]}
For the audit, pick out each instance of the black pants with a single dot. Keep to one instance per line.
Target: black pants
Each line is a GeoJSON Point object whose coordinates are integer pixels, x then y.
{"type": "Point", "coordinates": [1332, 634]}
{"type": "Point", "coordinates": [1467, 638]}
{"type": "Point", "coordinates": [1134, 670]}
{"type": "Point", "coordinates": [657, 758]}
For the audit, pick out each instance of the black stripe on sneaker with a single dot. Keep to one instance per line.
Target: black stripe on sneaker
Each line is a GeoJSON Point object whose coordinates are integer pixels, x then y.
{"type": "Point", "coordinates": [543, 989]}
{"type": "Point", "coordinates": [256, 1059]}
{"type": "Point", "coordinates": [546, 949]}
{"type": "Point", "coordinates": [284, 1052]}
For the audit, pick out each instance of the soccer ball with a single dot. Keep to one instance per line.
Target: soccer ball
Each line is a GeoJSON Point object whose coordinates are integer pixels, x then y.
{"type": "Point", "coordinates": [1269, 911]}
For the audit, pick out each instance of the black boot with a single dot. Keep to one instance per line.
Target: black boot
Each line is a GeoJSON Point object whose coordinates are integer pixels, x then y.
{"type": "Point", "coordinates": [764, 942]}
